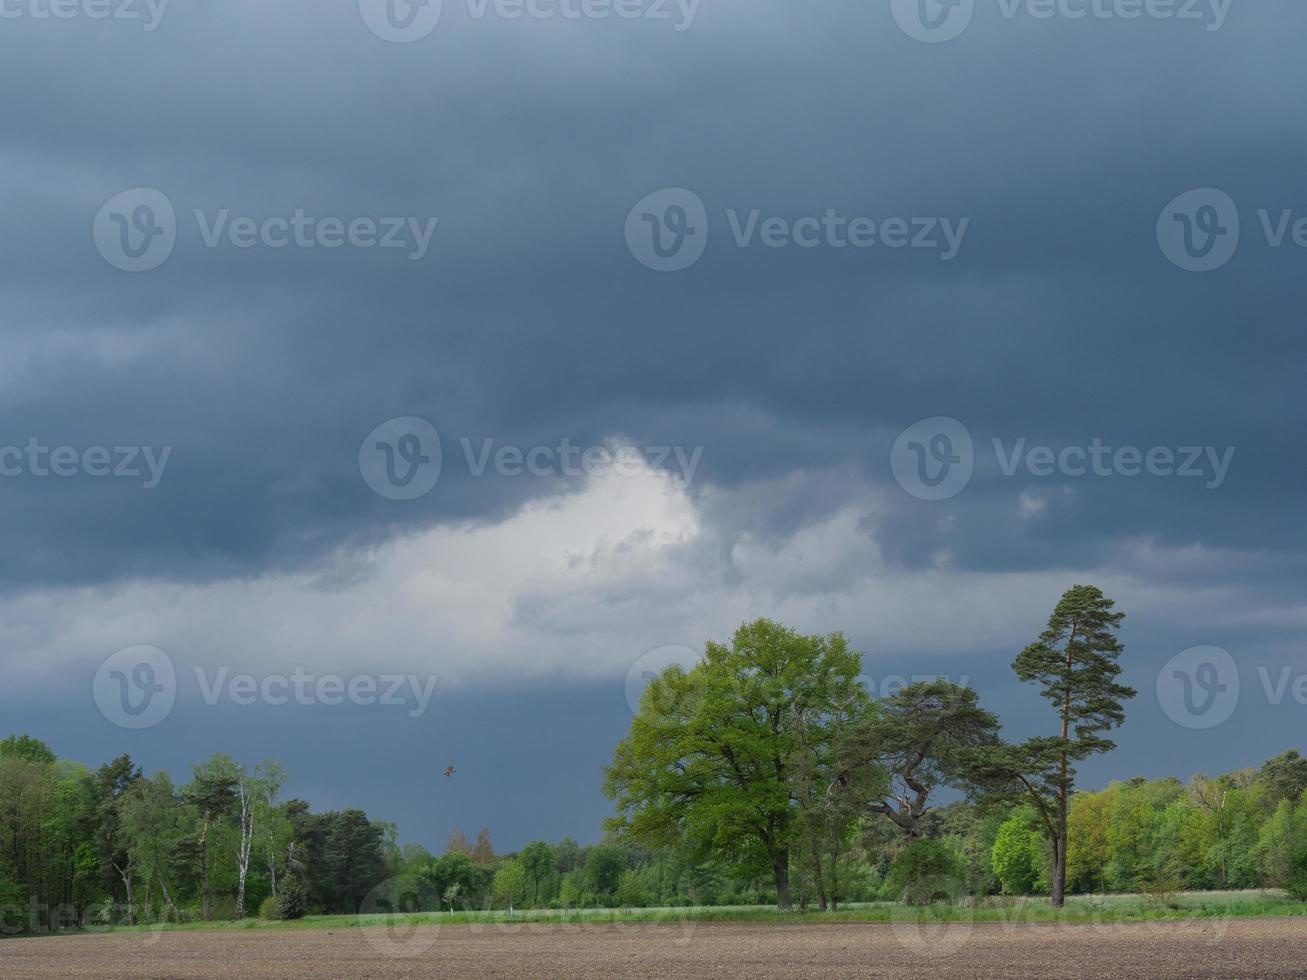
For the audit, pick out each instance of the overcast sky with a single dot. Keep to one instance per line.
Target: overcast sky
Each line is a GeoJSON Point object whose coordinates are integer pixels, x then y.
{"type": "Point", "coordinates": [805, 310]}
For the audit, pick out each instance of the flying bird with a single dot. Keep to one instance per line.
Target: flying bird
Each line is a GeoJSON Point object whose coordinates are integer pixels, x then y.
{"type": "Point", "coordinates": [449, 771]}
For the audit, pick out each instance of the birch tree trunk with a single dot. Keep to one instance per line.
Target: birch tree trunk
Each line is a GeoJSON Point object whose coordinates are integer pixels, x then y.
{"type": "Point", "coordinates": [167, 898]}
{"type": "Point", "coordinates": [247, 841]}
{"type": "Point", "coordinates": [125, 874]}
{"type": "Point", "coordinates": [272, 864]}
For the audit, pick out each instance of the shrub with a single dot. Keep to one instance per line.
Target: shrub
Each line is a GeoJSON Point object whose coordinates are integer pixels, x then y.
{"type": "Point", "coordinates": [290, 900]}
{"type": "Point", "coordinates": [926, 871]}
{"type": "Point", "coordinates": [1162, 888]}
{"type": "Point", "coordinates": [270, 909]}
{"type": "Point", "coordinates": [1016, 855]}
{"type": "Point", "coordinates": [1296, 881]}
{"type": "Point", "coordinates": [629, 890]}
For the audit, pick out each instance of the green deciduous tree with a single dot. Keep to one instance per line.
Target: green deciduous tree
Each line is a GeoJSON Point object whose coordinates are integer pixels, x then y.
{"type": "Point", "coordinates": [154, 828]}
{"type": "Point", "coordinates": [28, 748]}
{"type": "Point", "coordinates": [1018, 853]}
{"type": "Point", "coordinates": [1284, 777]}
{"type": "Point", "coordinates": [630, 890]}
{"type": "Point", "coordinates": [511, 883]}
{"type": "Point", "coordinates": [113, 780]}
{"type": "Point", "coordinates": [537, 858]}
{"type": "Point", "coordinates": [603, 869]}
{"type": "Point", "coordinates": [1087, 849]}
{"type": "Point", "coordinates": [711, 753]}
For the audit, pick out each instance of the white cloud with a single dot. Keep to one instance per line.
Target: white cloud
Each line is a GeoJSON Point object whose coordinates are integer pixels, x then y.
{"type": "Point", "coordinates": [578, 585]}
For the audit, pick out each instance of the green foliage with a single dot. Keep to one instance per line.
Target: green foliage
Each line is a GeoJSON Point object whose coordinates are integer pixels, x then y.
{"type": "Point", "coordinates": [1282, 847]}
{"type": "Point", "coordinates": [1019, 853]}
{"type": "Point", "coordinates": [571, 889]}
{"type": "Point", "coordinates": [456, 879]}
{"type": "Point", "coordinates": [13, 902]}
{"type": "Point", "coordinates": [567, 855]}
{"type": "Point", "coordinates": [1074, 662]}
{"type": "Point", "coordinates": [970, 831]}
{"type": "Point", "coordinates": [117, 847]}
{"type": "Point", "coordinates": [1295, 882]}
{"type": "Point", "coordinates": [345, 856]}
{"type": "Point", "coordinates": [1284, 777]}
{"type": "Point", "coordinates": [28, 748]}
{"type": "Point", "coordinates": [511, 883]}
{"type": "Point", "coordinates": [603, 869]}
{"type": "Point", "coordinates": [537, 858]}
{"type": "Point", "coordinates": [630, 889]}
{"type": "Point", "coordinates": [292, 902]}
{"type": "Point", "coordinates": [765, 764]}
{"type": "Point", "coordinates": [711, 755]}
{"type": "Point", "coordinates": [926, 871]}
{"type": "Point", "coordinates": [921, 738]}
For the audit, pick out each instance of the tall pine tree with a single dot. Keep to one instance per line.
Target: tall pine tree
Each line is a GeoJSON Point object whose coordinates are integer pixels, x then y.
{"type": "Point", "coordinates": [1075, 663]}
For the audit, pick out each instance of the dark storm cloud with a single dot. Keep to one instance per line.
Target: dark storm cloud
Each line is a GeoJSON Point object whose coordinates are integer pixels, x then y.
{"type": "Point", "coordinates": [1059, 321]}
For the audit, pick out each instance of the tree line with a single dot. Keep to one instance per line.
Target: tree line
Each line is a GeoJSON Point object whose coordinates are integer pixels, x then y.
{"type": "Point", "coordinates": [764, 774]}
{"type": "Point", "coordinates": [1238, 830]}
{"type": "Point", "coordinates": [770, 758]}
{"type": "Point", "coordinates": [114, 845]}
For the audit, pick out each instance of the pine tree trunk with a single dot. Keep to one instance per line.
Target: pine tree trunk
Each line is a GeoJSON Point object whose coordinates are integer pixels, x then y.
{"type": "Point", "coordinates": [1059, 848]}
{"type": "Point", "coordinates": [1059, 871]}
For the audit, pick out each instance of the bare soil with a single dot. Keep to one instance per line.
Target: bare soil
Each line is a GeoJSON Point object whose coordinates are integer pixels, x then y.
{"type": "Point", "coordinates": [1224, 949]}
